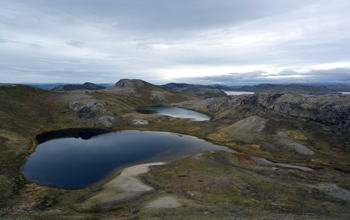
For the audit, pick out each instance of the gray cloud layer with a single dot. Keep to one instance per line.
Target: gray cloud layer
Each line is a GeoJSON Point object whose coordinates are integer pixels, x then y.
{"type": "Point", "coordinates": [330, 76]}
{"type": "Point", "coordinates": [159, 41]}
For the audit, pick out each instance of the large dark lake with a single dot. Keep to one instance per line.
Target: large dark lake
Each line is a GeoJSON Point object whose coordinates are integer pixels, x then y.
{"type": "Point", "coordinates": [78, 159]}
{"type": "Point", "coordinates": [174, 112]}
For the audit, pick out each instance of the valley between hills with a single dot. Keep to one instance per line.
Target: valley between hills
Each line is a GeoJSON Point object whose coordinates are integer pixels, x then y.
{"type": "Point", "coordinates": [273, 134]}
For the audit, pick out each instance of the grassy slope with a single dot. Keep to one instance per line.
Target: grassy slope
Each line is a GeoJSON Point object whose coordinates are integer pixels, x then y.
{"type": "Point", "coordinates": [221, 183]}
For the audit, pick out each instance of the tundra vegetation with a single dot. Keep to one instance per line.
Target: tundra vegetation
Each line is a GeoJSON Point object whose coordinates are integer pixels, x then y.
{"type": "Point", "coordinates": [289, 128]}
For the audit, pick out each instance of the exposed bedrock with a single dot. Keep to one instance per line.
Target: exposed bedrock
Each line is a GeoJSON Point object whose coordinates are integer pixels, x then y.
{"type": "Point", "coordinates": [332, 110]}
{"type": "Point", "coordinates": [106, 121]}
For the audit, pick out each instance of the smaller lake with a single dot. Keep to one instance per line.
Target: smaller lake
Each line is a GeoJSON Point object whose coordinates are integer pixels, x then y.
{"type": "Point", "coordinates": [173, 112]}
{"type": "Point", "coordinates": [78, 159]}
{"type": "Point", "coordinates": [345, 93]}
{"type": "Point", "coordinates": [237, 92]}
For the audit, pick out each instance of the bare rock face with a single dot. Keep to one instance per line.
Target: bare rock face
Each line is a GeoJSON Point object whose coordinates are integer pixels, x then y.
{"type": "Point", "coordinates": [300, 148]}
{"type": "Point", "coordinates": [139, 122]}
{"type": "Point", "coordinates": [106, 121]}
{"type": "Point", "coordinates": [331, 110]}
{"type": "Point", "coordinates": [336, 192]}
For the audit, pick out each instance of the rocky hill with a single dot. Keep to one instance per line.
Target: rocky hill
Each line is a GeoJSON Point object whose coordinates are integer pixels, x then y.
{"type": "Point", "coordinates": [329, 110]}
{"type": "Point", "coordinates": [198, 90]}
{"type": "Point", "coordinates": [150, 92]}
{"type": "Point", "coordinates": [85, 86]}
{"type": "Point", "coordinates": [132, 86]}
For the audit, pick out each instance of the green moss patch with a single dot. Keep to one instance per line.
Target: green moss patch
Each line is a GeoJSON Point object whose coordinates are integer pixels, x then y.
{"type": "Point", "coordinates": [6, 187]}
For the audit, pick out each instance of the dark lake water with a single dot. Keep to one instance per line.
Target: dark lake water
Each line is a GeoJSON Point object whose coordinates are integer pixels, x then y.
{"type": "Point", "coordinates": [174, 112]}
{"type": "Point", "coordinates": [78, 159]}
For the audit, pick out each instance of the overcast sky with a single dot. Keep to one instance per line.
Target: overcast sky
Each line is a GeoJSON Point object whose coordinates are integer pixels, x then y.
{"type": "Point", "coordinates": [231, 42]}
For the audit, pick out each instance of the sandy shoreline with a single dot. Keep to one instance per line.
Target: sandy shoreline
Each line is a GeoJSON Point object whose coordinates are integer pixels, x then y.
{"type": "Point", "coordinates": [123, 187]}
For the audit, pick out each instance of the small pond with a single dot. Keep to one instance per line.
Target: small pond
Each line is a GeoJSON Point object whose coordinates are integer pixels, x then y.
{"type": "Point", "coordinates": [237, 92]}
{"type": "Point", "coordinates": [174, 112]}
{"type": "Point", "coordinates": [78, 159]}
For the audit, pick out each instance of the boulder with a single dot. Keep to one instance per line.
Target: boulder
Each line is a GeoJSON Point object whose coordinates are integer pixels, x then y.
{"type": "Point", "coordinates": [74, 106]}
{"type": "Point", "coordinates": [86, 113]}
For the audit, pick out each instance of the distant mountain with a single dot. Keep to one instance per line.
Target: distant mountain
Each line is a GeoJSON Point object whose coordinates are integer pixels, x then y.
{"type": "Point", "coordinates": [198, 90]}
{"type": "Point", "coordinates": [305, 89]}
{"type": "Point", "coordinates": [46, 86]}
{"type": "Point", "coordinates": [215, 90]}
{"type": "Point", "coordinates": [225, 87]}
{"type": "Point", "coordinates": [311, 89]}
{"type": "Point", "coordinates": [70, 87]}
{"type": "Point", "coordinates": [106, 84]}
{"type": "Point", "coordinates": [49, 86]}
{"type": "Point", "coordinates": [339, 88]}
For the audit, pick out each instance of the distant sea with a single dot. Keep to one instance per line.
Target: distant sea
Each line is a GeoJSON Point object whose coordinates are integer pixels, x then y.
{"type": "Point", "coordinates": [237, 92]}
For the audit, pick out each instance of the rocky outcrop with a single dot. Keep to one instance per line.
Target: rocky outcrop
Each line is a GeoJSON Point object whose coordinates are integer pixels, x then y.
{"type": "Point", "coordinates": [106, 122]}
{"type": "Point", "coordinates": [86, 113]}
{"type": "Point", "coordinates": [139, 122]}
{"type": "Point", "coordinates": [331, 110]}
{"type": "Point", "coordinates": [198, 90]}
{"type": "Point", "coordinates": [70, 87]}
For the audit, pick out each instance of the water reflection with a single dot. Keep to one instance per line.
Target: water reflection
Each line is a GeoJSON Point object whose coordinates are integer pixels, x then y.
{"type": "Point", "coordinates": [174, 112]}
{"type": "Point", "coordinates": [237, 92]}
